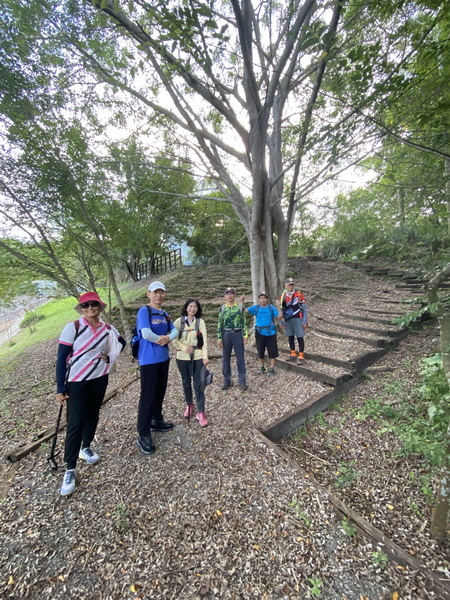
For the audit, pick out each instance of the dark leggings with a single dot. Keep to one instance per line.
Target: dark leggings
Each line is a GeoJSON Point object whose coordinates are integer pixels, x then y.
{"type": "Point", "coordinates": [83, 410]}
{"type": "Point", "coordinates": [301, 343]}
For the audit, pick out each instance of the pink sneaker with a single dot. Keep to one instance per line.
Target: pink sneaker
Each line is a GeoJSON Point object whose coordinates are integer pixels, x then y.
{"type": "Point", "coordinates": [189, 411]}
{"type": "Point", "coordinates": [201, 418]}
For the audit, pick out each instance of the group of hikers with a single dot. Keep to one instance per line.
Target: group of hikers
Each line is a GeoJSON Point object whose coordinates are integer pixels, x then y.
{"type": "Point", "coordinates": [88, 347]}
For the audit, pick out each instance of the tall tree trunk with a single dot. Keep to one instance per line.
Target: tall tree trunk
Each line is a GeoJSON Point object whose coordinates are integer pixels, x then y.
{"type": "Point", "coordinates": [439, 522]}
{"type": "Point", "coordinates": [447, 189]}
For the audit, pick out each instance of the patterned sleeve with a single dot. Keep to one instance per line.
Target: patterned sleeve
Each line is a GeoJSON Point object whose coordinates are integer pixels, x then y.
{"type": "Point", "coordinates": [220, 325]}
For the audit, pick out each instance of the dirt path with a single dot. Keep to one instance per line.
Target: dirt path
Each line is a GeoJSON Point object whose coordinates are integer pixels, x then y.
{"type": "Point", "coordinates": [214, 513]}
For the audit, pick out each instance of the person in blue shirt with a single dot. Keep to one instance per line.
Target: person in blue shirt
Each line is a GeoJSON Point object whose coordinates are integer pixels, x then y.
{"type": "Point", "coordinates": [266, 319]}
{"type": "Point", "coordinates": [156, 331]}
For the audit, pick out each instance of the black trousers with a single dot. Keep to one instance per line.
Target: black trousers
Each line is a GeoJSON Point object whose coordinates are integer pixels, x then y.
{"type": "Point", "coordinates": [301, 343]}
{"type": "Point", "coordinates": [83, 410]}
{"type": "Point", "coordinates": [153, 389]}
{"type": "Point", "coordinates": [190, 372]}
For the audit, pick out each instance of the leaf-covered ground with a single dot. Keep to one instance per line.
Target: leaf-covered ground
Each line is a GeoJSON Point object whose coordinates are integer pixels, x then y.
{"type": "Point", "coordinates": [214, 513]}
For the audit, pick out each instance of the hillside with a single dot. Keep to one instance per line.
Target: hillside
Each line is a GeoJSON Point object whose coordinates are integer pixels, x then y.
{"type": "Point", "coordinates": [215, 513]}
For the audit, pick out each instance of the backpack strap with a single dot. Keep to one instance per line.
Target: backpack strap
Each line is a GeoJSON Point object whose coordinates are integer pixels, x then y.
{"type": "Point", "coordinates": [183, 323]}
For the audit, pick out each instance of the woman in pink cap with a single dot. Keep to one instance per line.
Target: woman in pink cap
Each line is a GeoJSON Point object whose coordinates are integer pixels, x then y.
{"type": "Point", "coordinates": [82, 369]}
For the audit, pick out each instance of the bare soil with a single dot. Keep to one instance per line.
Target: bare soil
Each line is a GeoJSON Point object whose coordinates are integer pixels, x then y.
{"type": "Point", "coordinates": [215, 513]}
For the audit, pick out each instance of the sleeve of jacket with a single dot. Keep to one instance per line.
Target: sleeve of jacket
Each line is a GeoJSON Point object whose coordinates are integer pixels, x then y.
{"type": "Point", "coordinates": [220, 325]}
{"type": "Point", "coordinates": [202, 329]}
{"type": "Point", "coordinates": [177, 343]}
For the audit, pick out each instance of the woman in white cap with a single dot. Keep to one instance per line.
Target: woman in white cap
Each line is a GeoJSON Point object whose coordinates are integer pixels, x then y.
{"type": "Point", "coordinates": [82, 369]}
{"type": "Point", "coordinates": [156, 330]}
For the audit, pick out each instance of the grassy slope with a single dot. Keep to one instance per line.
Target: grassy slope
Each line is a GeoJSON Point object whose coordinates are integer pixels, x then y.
{"type": "Point", "coordinates": [56, 314]}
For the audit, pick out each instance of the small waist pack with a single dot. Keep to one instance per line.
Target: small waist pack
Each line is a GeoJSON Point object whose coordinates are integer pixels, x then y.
{"type": "Point", "coordinates": [288, 313]}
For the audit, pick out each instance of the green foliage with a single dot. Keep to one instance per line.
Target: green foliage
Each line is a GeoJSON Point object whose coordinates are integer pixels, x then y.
{"type": "Point", "coordinates": [420, 421]}
{"type": "Point", "coordinates": [300, 513]}
{"type": "Point", "coordinates": [380, 559]}
{"type": "Point", "coordinates": [348, 527]}
{"type": "Point", "coordinates": [217, 236]}
{"type": "Point", "coordinates": [31, 319]}
{"type": "Point", "coordinates": [346, 474]}
{"type": "Point", "coordinates": [315, 587]}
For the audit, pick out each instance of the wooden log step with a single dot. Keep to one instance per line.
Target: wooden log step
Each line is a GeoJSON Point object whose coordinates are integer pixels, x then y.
{"type": "Point", "coordinates": [379, 271]}
{"type": "Point", "coordinates": [390, 332]}
{"type": "Point", "coordinates": [311, 373]}
{"type": "Point", "coordinates": [395, 273]}
{"type": "Point", "coordinates": [379, 312]}
{"type": "Point", "coordinates": [376, 342]}
{"type": "Point", "coordinates": [362, 361]}
{"type": "Point", "coordinates": [366, 319]}
{"type": "Point", "coordinates": [328, 360]}
{"type": "Point", "coordinates": [421, 281]}
{"type": "Point", "coordinates": [409, 286]}
{"type": "Point", "coordinates": [339, 288]}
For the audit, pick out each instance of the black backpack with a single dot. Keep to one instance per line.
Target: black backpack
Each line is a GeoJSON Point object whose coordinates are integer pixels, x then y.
{"type": "Point", "coordinates": [200, 341]}
{"type": "Point", "coordinates": [135, 337]}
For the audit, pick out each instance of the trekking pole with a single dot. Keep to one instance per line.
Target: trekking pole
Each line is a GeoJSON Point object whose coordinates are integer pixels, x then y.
{"type": "Point", "coordinates": [51, 459]}
{"type": "Point", "coordinates": [192, 382]}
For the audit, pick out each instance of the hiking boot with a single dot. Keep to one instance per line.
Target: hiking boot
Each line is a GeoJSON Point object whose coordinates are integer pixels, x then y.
{"type": "Point", "coordinates": [145, 444]}
{"type": "Point", "coordinates": [243, 386]}
{"type": "Point", "coordinates": [68, 484]}
{"type": "Point", "coordinates": [270, 372]}
{"type": "Point", "coordinates": [261, 370]}
{"type": "Point", "coordinates": [189, 411]}
{"type": "Point", "coordinates": [89, 456]}
{"type": "Point", "coordinates": [160, 425]}
{"type": "Point", "coordinates": [292, 357]}
{"type": "Point", "coordinates": [300, 358]}
{"type": "Point", "coordinates": [226, 385]}
{"type": "Point", "coordinates": [201, 418]}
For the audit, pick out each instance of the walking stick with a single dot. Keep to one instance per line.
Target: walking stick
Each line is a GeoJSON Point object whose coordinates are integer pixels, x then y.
{"type": "Point", "coordinates": [51, 459]}
{"type": "Point", "coordinates": [192, 376]}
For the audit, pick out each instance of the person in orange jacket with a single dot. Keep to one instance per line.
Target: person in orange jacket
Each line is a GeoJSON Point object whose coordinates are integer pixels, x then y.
{"type": "Point", "coordinates": [295, 316]}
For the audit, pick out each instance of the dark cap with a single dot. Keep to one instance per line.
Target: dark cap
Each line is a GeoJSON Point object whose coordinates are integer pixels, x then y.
{"type": "Point", "coordinates": [229, 291]}
{"type": "Point", "coordinates": [289, 281]}
{"type": "Point", "coordinates": [263, 294]}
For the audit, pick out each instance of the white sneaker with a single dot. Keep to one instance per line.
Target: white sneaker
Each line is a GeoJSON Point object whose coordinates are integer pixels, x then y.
{"type": "Point", "coordinates": [89, 456]}
{"type": "Point", "coordinates": [68, 484]}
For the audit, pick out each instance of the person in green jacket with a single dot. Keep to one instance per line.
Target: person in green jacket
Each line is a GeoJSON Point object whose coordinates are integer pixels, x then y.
{"type": "Point", "coordinates": [232, 334]}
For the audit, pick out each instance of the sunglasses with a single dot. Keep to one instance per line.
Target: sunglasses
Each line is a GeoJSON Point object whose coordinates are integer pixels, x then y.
{"type": "Point", "coordinates": [93, 304]}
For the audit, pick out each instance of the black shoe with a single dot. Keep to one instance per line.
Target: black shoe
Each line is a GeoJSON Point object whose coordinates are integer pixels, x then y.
{"type": "Point", "coordinates": [243, 386]}
{"type": "Point", "coordinates": [161, 426]}
{"type": "Point", "coordinates": [226, 385]}
{"type": "Point", "coordinates": [145, 444]}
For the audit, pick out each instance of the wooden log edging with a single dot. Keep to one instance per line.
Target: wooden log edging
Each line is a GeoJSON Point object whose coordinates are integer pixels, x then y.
{"type": "Point", "coordinates": [394, 333]}
{"type": "Point", "coordinates": [311, 373]}
{"type": "Point", "coordinates": [366, 529]}
{"type": "Point", "coordinates": [43, 436]}
{"type": "Point", "coordinates": [328, 360]}
{"type": "Point", "coordinates": [292, 420]}
{"type": "Point", "coordinates": [376, 342]}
